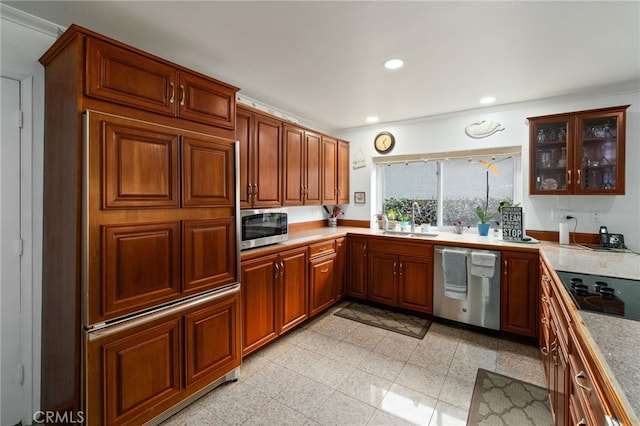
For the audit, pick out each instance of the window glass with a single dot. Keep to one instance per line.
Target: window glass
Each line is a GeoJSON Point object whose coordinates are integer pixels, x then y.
{"type": "Point", "coordinates": [463, 184]}
{"type": "Point", "coordinates": [464, 188]}
{"type": "Point", "coordinates": [405, 183]}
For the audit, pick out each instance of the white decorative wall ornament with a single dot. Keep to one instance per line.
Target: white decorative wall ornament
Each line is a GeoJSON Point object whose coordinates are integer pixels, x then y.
{"type": "Point", "coordinates": [482, 129]}
{"type": "Point", "coordinates": [358, 160]}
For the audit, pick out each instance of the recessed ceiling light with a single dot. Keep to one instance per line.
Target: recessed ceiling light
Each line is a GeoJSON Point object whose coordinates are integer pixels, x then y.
{"type": "Point", "coordinates": [393, 64]}
{"type": "Point", "coordinates": [487, 100]}
{"type": "Point", "coordinates": [372, 119]}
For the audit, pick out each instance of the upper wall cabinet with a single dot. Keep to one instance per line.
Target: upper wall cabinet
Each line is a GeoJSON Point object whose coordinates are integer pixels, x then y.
{"type": "Point", "coordinates": [578, 153]}
{"type": "Point", "coordinates": [302, 155]}
{"type": "Point", "coordinates": [260, 139]}
{"type": "Point", "coordinates": [130, 78]}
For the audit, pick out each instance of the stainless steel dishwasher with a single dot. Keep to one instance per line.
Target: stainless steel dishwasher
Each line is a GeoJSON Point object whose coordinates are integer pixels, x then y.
{"type": "Point", "coordinates": [471, 294]}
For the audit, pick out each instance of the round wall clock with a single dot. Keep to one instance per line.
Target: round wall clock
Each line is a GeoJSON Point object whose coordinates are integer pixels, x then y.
{"type": "Point", "coordinates": [384, 142]}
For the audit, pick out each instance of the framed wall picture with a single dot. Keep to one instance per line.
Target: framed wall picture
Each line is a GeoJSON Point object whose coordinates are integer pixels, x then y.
{"type": "Point", "coordinates": [359, 197]}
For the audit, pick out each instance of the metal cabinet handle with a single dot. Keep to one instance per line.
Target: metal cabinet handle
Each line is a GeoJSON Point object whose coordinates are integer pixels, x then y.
{"type": "Point", "coordinates": [545, 321]}
{"type": "Point", "coordinates": [183, 94]}
{"type": "Point", "coordinates": [255, 186]}
{"type": "Point", "coordinates": [401, 267]}
{"type": "Point", "coordinates": [579, 176]}
{"type": "Point", "coordinates": [505, 267]}
{"type": "Point", "coordinates": [544, 351]}
{"type": "Point", "coordinates": [395, 266]}
{"type": "Point", "coordinates": [276, 272]}
{"type": "Point", "coordinates": [546, 279]}
{"type": "Point", "coordinates": [173, 92]}
{"type": "Point", "coordinates": [568, 177]}
{"type": "Point", "coordinates": [324, 271]}
{"type": "Point", "coordinates": [582, 422]}
{"type": "Point", "coordinates": [578, 376]}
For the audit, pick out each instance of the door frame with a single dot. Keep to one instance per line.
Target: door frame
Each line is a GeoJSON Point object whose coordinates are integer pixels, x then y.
{"type": "Point", "coordinates": [30, 297]}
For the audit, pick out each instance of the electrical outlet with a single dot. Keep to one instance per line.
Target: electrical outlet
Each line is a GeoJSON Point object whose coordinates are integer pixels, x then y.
{"type": "Point", "coordinates": [595, 217]}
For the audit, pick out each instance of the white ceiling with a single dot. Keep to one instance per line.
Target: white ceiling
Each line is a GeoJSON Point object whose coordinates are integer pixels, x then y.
{"type": "Point", "coordinates": [322, 61]}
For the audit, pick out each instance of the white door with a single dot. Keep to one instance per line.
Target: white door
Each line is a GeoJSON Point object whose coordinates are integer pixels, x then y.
{"type": "Point", "coordinates": [12, 374]}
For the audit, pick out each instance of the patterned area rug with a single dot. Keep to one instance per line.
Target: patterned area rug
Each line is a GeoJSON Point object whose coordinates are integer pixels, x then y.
{"type": "Point", "coordinates": [393, 321]}
{"type": "Point", "coordinates": [502, 400]}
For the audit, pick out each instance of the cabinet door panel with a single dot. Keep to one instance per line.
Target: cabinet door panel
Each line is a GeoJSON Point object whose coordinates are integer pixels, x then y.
{"type": "Point", "coordinates": [313, 163]}
{"type": "Point", "coordinates": [207, 172]}
{"type": "Point", "coordinates": [140, 268]}
{"type": "Point", "coordinates": [293, 289]}
{"type": "Point", "coordinates": [340, 268]}
{"type": "Point", "coordinates": [383, 287]}
{"type": "Point", "coordinates": [343, 172]}
{"type": "Point", "coordinates": [357, 267]}
{"type": "Point", "coordinates": [127, 78]}
{"type": "Point", "coordinates": [212, 344]}
{"type": "Point", "coordinates": [209, 254]}
{"type": "Point", "coordinates": [416, 284]}
{"type": "Point", "coordinates": [243, 134]}
{"type": "Point", "coordinates": [329, 170]}
{"type": "Point", "coordinates": [132, 383]}
{"type": "Point", "coordinates": [519, 293]}
{"type": "Point", "coordinates": [259, 301]}
{"type": "Point", "coordinates": [206, 101]}
{"type": "Point", "coordinates": [322, 283]}
{"type": "Point", "coordinates": [293, 161]}
{"type": "Point", "coordinates": [139, 164]}
{"type": "Point", "coordinates": [267, 163]}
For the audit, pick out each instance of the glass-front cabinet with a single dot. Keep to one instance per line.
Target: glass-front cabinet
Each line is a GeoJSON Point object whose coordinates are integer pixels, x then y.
{"type": "Point", "coordinates": [578, 153]}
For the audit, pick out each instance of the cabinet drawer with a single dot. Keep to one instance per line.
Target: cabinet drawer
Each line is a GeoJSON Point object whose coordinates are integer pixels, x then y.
{"type": "Point", "coordinates": [583, 385]}
{"type": "Point", "coordinates": [320, 249]}
{"type": "Point", "coordinates": [394, 246]}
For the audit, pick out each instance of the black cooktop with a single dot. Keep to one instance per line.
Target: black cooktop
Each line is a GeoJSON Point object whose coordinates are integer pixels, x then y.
{"type": "Point", "coordinates": [602, 294]}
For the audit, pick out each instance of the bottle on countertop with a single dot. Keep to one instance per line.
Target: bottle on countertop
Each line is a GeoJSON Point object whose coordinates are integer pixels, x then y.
{"type": "Point", "coordinates": [385, 222]}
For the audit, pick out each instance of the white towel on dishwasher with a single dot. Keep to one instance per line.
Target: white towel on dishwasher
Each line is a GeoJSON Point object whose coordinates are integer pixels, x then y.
{"type": "Point", "coordinates": [483, 264]}
{"type": "Point", "coordinates": [454, 264]}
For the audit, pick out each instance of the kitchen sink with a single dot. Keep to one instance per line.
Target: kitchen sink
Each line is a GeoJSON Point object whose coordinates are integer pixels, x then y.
{"type": "Point", "coordinates": [410, 234]}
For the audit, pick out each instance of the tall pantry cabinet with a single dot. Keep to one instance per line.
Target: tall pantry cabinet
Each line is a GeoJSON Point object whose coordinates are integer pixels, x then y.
{"type": "Point", "coordinates": [141, 301]}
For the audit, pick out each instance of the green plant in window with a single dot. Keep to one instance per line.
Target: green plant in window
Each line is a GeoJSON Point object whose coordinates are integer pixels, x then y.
{"type": "Point", "coordinates": [483, 215]}
{"type": "Point", "coordinates": [391, 214]}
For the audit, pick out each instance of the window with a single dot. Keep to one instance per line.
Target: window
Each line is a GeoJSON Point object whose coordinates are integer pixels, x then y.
{"type": "Point", "coordinates": [449, 190]}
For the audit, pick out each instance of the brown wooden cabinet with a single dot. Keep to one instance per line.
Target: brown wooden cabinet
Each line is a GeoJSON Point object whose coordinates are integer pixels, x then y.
{"type": "Point", "coordinates": [260, 138]}
{"type": "Point", "coordinates": [139, 224]}
{"type": "Point", "coordinates": [275, 296]}
{"type": "Point", "coordinates": [293, 289]}
{"type": "Point", "coordinates": [343, 172]}
{"type": "Point", "coordinates": [356, 285]}
{"type": "Point", "coordinates": [124, 387]}
{"type": "Point", "coordinates": [134, 78]}
{"type": "Point", "coordinates": [578, 153]}
{"type": "Point", "coordinates": [401, 274]}
{"type": "Point", "coordinates": [519, 294]}
{"type": "Point", "coordinates": [322, 278]}
{"type": "Point", "coordinates": [329, 170]}
{"type": "Point", "coordinates": [340, 268]}
{"type": "Point", "coordinates": [302, 159]}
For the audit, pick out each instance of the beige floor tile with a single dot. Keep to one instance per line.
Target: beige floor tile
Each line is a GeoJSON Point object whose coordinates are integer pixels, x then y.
{"type": "Point", "coordinates": [276, 413]}
{"type": "Point", "coordinates": [448, 415]}
{"type": "Point", "coordinates": [336, 327]}
{"type": "Point", "coordinates": [396, 346]}
{"type": "Point", "coordinates": [298, 359]}
{"type": "Point", "coordinates": [436, 357]}
{"type": "Point", "coordinates": [381, 366]}
{"type": "Point", "coordinates": [304, 395]}
{"type": "Point", "coordinates": [349, 354]}
{"type": "Point", "coordinates": [271, 379]}
{"type": "Point", "coordinates": [330, 372]}
{"type": "Point", "coordinates": [341, 409]}
{"type": "Point", "coordinates": [522, 367]}
{"type": "Point", "coordinates": [365, 387]}
{"type": "Point", "coordinates": [421, 380]}
{"type": "Point", "coordinates": [317, 342]}
{"type": "Point", "coordinates": [383, 418]}
{"type": "Point", "coordinates": [365, 336]}
{"type": "Point", "coordinates": [194, 415]}
{"type": "Point", "coordinates": [457, 392]}
{"type": "Point", "coordinates": [409, 405]}
{"type": "Point", "coordinates": [239, 404]}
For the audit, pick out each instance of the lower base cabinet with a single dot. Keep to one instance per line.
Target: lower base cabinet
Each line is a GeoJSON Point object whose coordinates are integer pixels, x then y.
{"type": "Point", "coordinates": [143, 367]}
{"type": "Point", "coordinates": [275, 296]}
{"type": "Point", "coordinates": [322, 283]}
{"type": "Point", "coordinates": [356, 284]}
{"type": "Point", "coordinates": [519, 294]}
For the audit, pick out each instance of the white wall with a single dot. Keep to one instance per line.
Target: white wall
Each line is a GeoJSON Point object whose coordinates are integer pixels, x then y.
{"type": "Point", "coordinates": [20, 49]}
{"type": "Point", "coordinates": [443, 133]}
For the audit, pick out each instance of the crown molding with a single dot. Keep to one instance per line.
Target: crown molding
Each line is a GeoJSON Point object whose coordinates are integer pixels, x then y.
{"type": "Point", "coordinates": [24, 19]}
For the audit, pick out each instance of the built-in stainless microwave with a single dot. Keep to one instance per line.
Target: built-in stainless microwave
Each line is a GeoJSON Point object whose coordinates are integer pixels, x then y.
{"type": "Point", "coordinates": [260, 227]}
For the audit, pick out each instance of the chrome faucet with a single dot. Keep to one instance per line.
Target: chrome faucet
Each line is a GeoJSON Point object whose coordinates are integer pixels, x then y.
{"type": "Point", "coordinates": [415, 206]}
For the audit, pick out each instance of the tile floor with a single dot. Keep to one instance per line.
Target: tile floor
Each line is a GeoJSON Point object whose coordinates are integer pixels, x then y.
{"type": "Point", "coordinates": [334, 371]}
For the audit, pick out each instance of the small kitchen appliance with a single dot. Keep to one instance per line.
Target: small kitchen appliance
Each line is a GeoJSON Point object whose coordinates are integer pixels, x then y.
{"type": "Point", "coordinates": [260, 227]}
